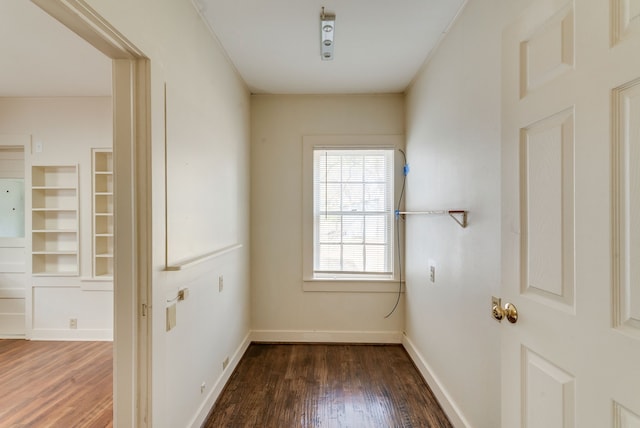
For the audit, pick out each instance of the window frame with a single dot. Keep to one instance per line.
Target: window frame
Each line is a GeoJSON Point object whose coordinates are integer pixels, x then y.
{"type": "Point", "coordinates": [345, 282]}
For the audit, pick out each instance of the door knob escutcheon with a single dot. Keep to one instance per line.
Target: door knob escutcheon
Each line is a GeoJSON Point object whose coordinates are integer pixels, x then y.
{"type": "Point", "coordinates": [496, 308]}
{"type": "Point", "coordinates": [497, 312]}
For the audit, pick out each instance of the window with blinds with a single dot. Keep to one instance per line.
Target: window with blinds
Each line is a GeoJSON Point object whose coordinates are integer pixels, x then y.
{"type": "Point", "coordinates": [352, 212]}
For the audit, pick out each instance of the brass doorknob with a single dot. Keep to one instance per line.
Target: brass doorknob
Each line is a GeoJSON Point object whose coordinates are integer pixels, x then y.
{"type": "Point", "coordinates": [511, 312]}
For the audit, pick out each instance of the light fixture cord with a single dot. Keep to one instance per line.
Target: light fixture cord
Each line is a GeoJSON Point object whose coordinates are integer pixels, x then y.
{"type": "Point", "coordinates": [405, 170]}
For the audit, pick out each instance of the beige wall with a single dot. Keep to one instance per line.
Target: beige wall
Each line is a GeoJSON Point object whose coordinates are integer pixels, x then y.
{"type": "Point", "coordinates": [453, 146]}
{"type": "Point", "coordinates": [280, 307]}
{"type": "Point", "coordinates": [208, 125]}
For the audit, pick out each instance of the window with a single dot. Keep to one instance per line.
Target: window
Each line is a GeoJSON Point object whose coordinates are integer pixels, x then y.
{"type": "Point", "coordinates": [348, 213]}
{"type": "Point", "coordinates": [352, 212]}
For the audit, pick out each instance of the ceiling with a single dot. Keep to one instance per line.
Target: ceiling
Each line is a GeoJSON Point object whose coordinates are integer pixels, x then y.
{"type": "Point", "coordinates": [42, 58]}
{"type": "Point", "coordinates": [380, 45]}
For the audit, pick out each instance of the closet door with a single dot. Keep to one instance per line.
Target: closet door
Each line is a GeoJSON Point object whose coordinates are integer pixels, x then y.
{"type": "Point", "coordinates": [571, 209]}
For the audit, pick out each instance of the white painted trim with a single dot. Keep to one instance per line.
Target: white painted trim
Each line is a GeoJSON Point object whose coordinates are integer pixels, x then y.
{"type": "Point", "coordinates": [101, 285]}
{"type": "Point", "coordinates": [12, 326]}
{"type": "Point", "coordinates": [13, 242]}
{"type": "Point", "coordinates": [72, 335]}
{"type": "Point", "coordinates": [352, 286]}
{"type": "Point", "coordinates": [207, 404]}
{"type": "Point", "coordinates": [309, 143]}
{"type": "Point", "coordinates": [185, 264]}
{"type": "Point", "coordinates": [132, 218]}
{"type": "Point", "coordinates": [12, 293]}
{"type": "Point", "coordinates": [13, 267]}
{"type": "Point", "coordinates": [453, 411]}
{"type": "Point", "coordinates": [319, 336]}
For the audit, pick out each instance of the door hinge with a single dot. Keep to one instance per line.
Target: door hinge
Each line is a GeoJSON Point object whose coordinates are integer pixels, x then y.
{"type": "Point", "coordinates": [144, 309]}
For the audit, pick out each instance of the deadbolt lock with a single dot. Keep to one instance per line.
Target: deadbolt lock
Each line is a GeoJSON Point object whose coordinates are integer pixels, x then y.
{"type": "Point", "coordinates": [508, 311]}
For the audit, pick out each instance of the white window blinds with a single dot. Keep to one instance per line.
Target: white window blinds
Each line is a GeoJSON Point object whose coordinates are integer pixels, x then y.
{"type": "Point", "coordinates": [353, 212]}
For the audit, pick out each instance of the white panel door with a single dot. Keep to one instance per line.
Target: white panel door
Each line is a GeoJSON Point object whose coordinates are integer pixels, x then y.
{"type": "Point", "coordinates": [571, 215]}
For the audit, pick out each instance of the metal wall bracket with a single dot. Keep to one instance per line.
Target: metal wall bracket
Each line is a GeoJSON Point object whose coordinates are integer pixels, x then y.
{"type": "Point", "coordinates": [460, 216]}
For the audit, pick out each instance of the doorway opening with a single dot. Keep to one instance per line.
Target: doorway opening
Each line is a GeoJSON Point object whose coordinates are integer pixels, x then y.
{"type": "Point", "coordinates": [120, 250]}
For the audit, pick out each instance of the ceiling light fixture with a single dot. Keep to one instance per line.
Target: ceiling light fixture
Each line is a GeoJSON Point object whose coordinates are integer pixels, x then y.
{"type": "Point", "coordinates": [327, 31]}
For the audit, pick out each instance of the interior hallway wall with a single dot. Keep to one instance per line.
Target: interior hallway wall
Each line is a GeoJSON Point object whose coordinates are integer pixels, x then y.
{"type": "Point", "coordinates": [453, 147]}
{"type": "Point", "coordinates": [280, 307]}
{"type": "Point", "coordinates": [208, 138]}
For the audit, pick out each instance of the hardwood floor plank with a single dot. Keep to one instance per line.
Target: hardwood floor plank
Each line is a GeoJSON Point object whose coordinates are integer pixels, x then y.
{"type": "Point", "coordinates": [319, 385]}
{"type": "Point", "coordinates": [56, 384]}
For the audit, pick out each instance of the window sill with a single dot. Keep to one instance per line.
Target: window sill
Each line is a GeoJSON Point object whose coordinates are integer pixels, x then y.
{"type": "Point", "coordinates": [352, 285]}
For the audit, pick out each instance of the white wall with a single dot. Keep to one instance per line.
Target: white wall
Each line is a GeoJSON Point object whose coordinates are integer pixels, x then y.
{"type": "Point", "coordinates": [208, 125]}
{"type": "Point", "coordinates": [453, 147]}
{"type": "Point", "coordinates": [281, 310]}
{"type": "Point", "coordinates": [67, 129]}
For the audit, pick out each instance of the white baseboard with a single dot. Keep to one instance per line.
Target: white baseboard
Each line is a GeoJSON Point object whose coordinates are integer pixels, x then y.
{"type": "Point", "coordinates": [72, 335]}
{"type": "Point", "coordinates": [453, 412]}
{"type": "Point", "coordinates": [326, 336]}
{"type": "Point", "coordinates": [12, 336]}
{"type": "Point", "coordinates": [207, 404]}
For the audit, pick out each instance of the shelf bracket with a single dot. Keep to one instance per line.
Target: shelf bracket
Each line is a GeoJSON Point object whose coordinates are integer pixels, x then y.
{"type": "Point", "coordinates": [460, 216]}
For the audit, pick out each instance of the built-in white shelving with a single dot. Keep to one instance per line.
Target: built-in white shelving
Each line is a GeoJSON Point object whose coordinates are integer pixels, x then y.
{"type": "Point", "coordinates": [103, 213]}
{"type": "Point", "coordinates": [54, 220]}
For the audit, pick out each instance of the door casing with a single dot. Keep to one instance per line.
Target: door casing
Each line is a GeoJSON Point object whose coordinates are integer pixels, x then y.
{"type": "Point", "coordinates": [132, 207]}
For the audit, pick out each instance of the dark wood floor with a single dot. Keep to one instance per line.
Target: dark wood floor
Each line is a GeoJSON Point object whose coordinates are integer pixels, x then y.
{"type": "Point", "coordinates": [56, 384]}
{"type": "Point", "coordinates": [356, 386]}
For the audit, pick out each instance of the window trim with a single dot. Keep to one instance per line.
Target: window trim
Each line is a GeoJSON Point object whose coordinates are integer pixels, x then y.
{"type": "Point", "coordinates": [341, 283]}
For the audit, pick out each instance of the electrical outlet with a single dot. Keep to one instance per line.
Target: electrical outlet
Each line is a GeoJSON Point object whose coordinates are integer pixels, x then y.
{"type": "Point", "coordinates": [220, 283]}
{"type": "Point", "coordinates": [73, 323]}
{"type": "Point", "coordinates": [203, 386]}
{"type": "Point", "coordinates": [225, 363]}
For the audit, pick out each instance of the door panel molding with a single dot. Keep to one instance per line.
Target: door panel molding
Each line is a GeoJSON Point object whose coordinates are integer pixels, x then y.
{"type": "Point", "coordinates": [547, 210]}
{"type": "Point", "coordinates": [548, 399]}
{"type": "Point", "coordinates": [548, 51]}
{"type": "Point", "coordinates": [625, 20]}
{"type": "Point", "coordinates": [626, 207]}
